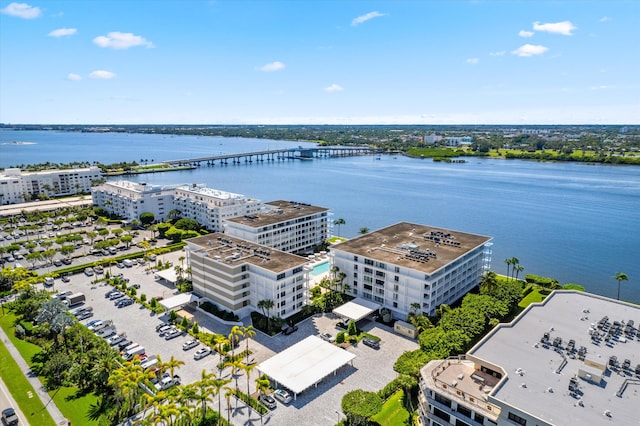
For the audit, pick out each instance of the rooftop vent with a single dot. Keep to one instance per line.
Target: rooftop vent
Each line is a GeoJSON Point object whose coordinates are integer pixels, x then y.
{"type": "Point", "coordinates": [523, 385]}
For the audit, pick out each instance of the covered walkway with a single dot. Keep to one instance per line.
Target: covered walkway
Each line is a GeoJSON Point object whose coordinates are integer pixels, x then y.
{"type": "Point", "coordinates": [357, 309]}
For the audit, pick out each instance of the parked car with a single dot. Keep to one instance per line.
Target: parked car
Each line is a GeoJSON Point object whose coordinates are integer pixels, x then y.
{"type": "Point", "coordinates": [159, 326]}
{"type": "Point", "coordinates": [84, 315]}
{"type": "Point", "coordinates": [165, 328]}
{"type": "Point", "coordinates": [114, 340]}
{"type": "Point", "coordinates": [65, 278]}
{"type": "Point", "coordinates": [134, 286]}
{"type": "Point", "coordinates": [9, 416]}
{"type": "Point", "coordinates": [63, 295]}
{"type": "Point", "coordinates": [88, 272]}
{"type": "Point", "coordinates": [57, 262]}
{"type": "Point", "coordinates": [327, 337]}
{"type": "Point", "coordinates": [189, 344]}
{"type": "Point", "coordinates": [202, 352]}
{"type": "Point", "coordinates": [124, 302]}
{"type": "Point", "coordinates": [66, 261]}
{"type": "Point", "coordinates": [290, 329]}
{"type": "Point", "coordinates": [372, 343]}
{"type": "Point", "coordinates": [48, 281]}
{"type": "Point", "coordinates": [116, 295]}
{"type": "Point", "coordinates": [173, 334]}
{"type": "Point", "coordinates": [268, 401]}
{"type": "Point", "coordinates": [282, 396]}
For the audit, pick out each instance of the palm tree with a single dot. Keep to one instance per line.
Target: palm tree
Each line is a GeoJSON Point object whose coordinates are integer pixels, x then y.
{"type": "Point", "coordinates": [518, 268]}
{"type": "Point", "coordinates": [415, 307]}
{"type": "Point", "coordinates": [234, 337]}
{"type": "Point", "coordinates": [338, 222]}
{"type": "Point", "coordinates": [266, 305]}
{"type": "Point", "coordinates": [364, 230]}
{"type": "Point", "coordinates": [620, 277]}
{"type": "Point", "coordinates": [489, 282]}
{"type": "Point", "coordinates": [227, 395]}
{"type": "Point", "coordinates": [236, 366]}
{"type": "Point", "coordinates": [515, 262]}
{"type": "Point", "coordinates": [248, 368]}
{"type": "Point", "coordinates": [217, 385]}
{"type": "Point", "coordinates": [204, 387]}
{"type": "Point", "coordinates": [172, 364]}
{"type": "Point", "coordinates": [249, 333]}
{"type": "Point", "coordinates": [508, 262]}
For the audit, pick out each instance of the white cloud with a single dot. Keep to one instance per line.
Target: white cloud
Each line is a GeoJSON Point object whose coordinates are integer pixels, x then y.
{"type": "Point", "coordinates": [473, 61]}
{"type": "Point", "coordinates": [73, 77]}
{"type": "Point", "coordinates": [118, 40]}
{"type": "Point", "coordinates": [333, 88]}
{"type": "Point", "coordinates": [273, 66]}
{"type": "Point", "coordinates": [62, 32]}
{"type": "Point", "coordinates": [526, 34]}
{"type": "Point", "coordinates": [500, 53]}
{"type": "Point", "coordinates": [364, 18]}
{"type": "Point", "coordinates": [102, 75]}
{"type": "Point", "coordinates": [564, 27]}
{"type": "Point", "coordinates": [529, 50]}
{"type": "Point", "coordinates": [605, 19]}
{"type": "Point", "coordinates": [22, 10]}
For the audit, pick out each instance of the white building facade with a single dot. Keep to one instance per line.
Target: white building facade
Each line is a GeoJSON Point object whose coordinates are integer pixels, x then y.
{"type": "Point", "coordinates": [207, 206]}
{"type": "Point", "coordinates": [17, 186]}
{"type": "Point", "coordinates": [210, 207]}
{"type": "Point", "coordinates": [130, 199]}
{"type": "Point", "coordinates": [406, 263]}
{"type": "Point", "coordinates": [236, 275]}
{"type": "Point", "coordinates": [283, 225]}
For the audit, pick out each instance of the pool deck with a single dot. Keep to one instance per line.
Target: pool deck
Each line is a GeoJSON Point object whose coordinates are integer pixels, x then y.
{"type": "Point", "coordinates": [317, 260]}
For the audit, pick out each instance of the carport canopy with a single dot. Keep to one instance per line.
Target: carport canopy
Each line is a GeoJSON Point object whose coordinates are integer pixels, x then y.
{"type": "Point", "coordinates": [305, 363]}
{"type": "Point", "coordinates": [179, 301]}
{"type": "Point", "coordinates": [168, 275]}
{"type": "Point", "coordinates": [357, 309]}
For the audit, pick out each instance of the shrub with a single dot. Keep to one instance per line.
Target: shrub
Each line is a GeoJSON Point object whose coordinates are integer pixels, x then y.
{"type": "Point", "coordinates": [340, 337]}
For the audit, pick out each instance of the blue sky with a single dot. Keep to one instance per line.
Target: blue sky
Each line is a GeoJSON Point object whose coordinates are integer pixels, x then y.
{"type": "Point", "coordinates": [333, 62]}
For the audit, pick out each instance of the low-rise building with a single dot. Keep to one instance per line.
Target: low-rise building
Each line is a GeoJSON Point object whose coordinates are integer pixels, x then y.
{"type": "Point", "coordinates": [236, 275]}
{"type": "Point", "coordinates": [17, 186]}
{"type": "Point", "coordinates": [573, 359]}
{"type": "Point", "coordinates": [283, 225]}
{"type": "Point", "coordinates": [404, 264]}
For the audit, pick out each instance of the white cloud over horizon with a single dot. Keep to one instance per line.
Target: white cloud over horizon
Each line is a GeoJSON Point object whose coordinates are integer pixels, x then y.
{"type": "Point", "coordinates": [73, 77]}
{"type": "Point", "coordinates": [473, 61]}
{"type": "Point", "coordinates": [118, 40]}
{"type": "Point", "coordinates": [605, 19]}
{"type": "Point", "coordinates": [273, 66]}
{"type": "Point", "coordinates": [22, 10]}
{"type": "Point", "coordinates": [366, 17]}
{"type": "Point", "coordinates": [527, 50]}
{"type": "Point", "coordinates": [500, 53]}
{"type": "Point", "coordinates": [564, 27]}
{"type": "Point", "coordinates": [62, 32]}
{"type": "Point", "coordinates": [333, 88]}
{"type": "Point", "coordinates": [526, 34]}
{"type": "Point", "coordinates": [102, 75]}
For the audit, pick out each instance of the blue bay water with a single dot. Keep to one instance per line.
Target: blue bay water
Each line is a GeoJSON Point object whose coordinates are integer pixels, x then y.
{"type": "Point", "coordinates": [577, 223]}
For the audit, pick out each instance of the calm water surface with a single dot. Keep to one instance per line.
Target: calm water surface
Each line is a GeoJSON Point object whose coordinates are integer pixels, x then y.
{"type": "Point", "coordinates": [577, 223]}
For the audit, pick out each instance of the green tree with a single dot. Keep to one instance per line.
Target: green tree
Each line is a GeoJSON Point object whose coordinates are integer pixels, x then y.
{"type": "Point", "coordinates": [364, 230]}
{"type": "Point", "coordinates": [147, 218]}
{"type": "Point", "coordinates": [351, 328]}
{"type": "Point", "coordinates": [620, 277]}
{"type": "Point", "coordinates": [338, 222]}
{"type": "Point", "coordinates": [360, 405]}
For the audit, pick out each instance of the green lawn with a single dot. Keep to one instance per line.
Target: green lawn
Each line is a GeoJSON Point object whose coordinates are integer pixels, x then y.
{"type": "Point", "coordinates": [22, 391]}
{"type": "Point", "coordinates": [393, 412]}
{"type": "Point", "coordinates": [72, 408]}
{"type": "Point", "coordinates": [534, 297]}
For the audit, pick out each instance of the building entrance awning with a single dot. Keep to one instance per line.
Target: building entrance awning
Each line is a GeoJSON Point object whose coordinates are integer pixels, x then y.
{"type": "Point", "coordinates": [179, 301]}
{"type": "Point", "coordinates": [356, 309]}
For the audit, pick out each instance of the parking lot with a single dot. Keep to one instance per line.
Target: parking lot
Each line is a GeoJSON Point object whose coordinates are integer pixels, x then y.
{"type": "Point", "coordinates": [371, 370]}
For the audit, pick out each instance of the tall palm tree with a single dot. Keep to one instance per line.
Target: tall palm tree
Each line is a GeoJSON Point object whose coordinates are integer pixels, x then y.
{"type": "Point", "coordinates": [338, 222]}
{"type": "Point", "coordinates": [236, 366]}
{"type": "Point", "coordinates": [227, 395]}
{"type": "Point", "coordinates": [249, 333]}
{"type": "Point", "coordinates": [508, 261]}
{"type": "Point", "coordinates": [203, 389]}
{"type": "Point", "coordinates": [248, 368]}
{"type": "Point", "coordinates": [518, 268]}
{"type": "Point", "coordinates": [172, 364]}
{"type": "Point", "coordinates": [515, 262]}
{"type": "Point", "coordinates": [234, 337]}
{"type": "Point", "coordinates": [620, 277]}
{"type": "Point", "coordinates": [216, 386]}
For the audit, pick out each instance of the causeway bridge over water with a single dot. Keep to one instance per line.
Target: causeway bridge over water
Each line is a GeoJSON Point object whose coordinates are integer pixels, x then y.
{"type": "Point", "coordinates": [298, 153]}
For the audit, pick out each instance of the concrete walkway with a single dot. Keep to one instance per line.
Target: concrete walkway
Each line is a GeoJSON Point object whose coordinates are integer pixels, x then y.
{"type": "Point", "coordinates": [55, 413]}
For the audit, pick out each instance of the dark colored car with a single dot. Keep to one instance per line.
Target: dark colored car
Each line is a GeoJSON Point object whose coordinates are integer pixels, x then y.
{"type": "Point", "coordinates": [9, 416]}
{"type": "Point", "coordinates": [290, 329]}
{"type": "Point", "coordinates": [268, 401]}
{"type": "Point", "coordinates": [371, 343]}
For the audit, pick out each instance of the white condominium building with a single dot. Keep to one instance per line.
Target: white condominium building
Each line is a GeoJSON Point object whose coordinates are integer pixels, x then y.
{"type": "Point", "coordinates": [17, 186]}
{"type": "Point", "coordinates": [130, 199]}
{"type": "Point", "coordinates": [283, 225]}
{"type": "Point", "coordinates": [211, 206]}
{"type": "Point", "coordinates": [408, 263]}
{"type": "Point", "coordinates": [207, 206]}
{"type": "Point", "coordinates": [573, 359]}
{"type": "Point", "coordinates": [236, 275]}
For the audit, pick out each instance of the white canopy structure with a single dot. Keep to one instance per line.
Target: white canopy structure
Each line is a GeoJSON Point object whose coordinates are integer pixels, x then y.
{"type": "Point", "coordinates": [356, 309]}
{"type": "Point", "coordinates": [168, 275]}
{"type": "Point", "coordinates": [178, 301]}
{"type": "Point", "coordinates": [305, 363]}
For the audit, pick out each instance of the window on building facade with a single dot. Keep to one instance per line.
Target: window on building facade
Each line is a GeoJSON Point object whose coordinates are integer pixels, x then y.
{"type": "Point", "coordinates": [463, 410]}
{"type": "Point", "coordinates": [516, 418]}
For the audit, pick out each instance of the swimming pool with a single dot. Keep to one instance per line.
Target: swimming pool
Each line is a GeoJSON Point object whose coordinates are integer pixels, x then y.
{"type": "Point", "coordinates": [320, 268]}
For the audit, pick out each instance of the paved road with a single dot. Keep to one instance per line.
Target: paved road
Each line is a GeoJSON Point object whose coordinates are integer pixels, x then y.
{"type": "Point", "coordinates": [55, 413]}
{"type": "Point", "coordinates": [6, 400]}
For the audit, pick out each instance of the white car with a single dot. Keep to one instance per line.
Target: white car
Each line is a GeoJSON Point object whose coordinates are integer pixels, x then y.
{"type": "Point", "coordinates": [202, 352]}
{"type": "Point", "coordinates": [189, 344]}
{"type": "Point", "coordinates": [282, 396]}
{"type": "Point", "coordinates": [327, 337]}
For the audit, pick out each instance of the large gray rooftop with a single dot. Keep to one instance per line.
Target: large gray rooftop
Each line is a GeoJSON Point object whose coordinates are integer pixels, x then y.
{"type": "Point", "coordinates": [420, 247]}
{"type": "Point", "coordinates": [538, 373]}
{"type": "Point", "coordinates": [279, 211]}
{"type": "Point", "coordinates": [233, 251]}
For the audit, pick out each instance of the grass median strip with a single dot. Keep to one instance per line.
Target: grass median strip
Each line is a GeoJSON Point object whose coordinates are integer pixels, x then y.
{"type": "Point", "coordinates": [22, 391]}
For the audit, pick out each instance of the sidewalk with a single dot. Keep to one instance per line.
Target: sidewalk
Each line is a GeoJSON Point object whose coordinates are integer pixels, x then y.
{"type": "Point", "coordinates": [57, 416]}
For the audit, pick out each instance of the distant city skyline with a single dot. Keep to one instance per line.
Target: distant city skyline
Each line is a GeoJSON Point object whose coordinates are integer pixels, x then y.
{"type": "Point", "coordinates": [320, 62]}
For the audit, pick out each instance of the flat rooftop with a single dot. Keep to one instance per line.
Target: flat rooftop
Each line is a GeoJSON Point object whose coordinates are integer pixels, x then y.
{"type": "Point", "coordinates": [538, 374]}
{"type": "Point", "coordinates": [420, 247]}
{"type": "Point", "coordinates": [210, 192]}
{"type": "Point", "coordinates": [279, 211]}
{"type": "Point", "coordinates": [233, 251]}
